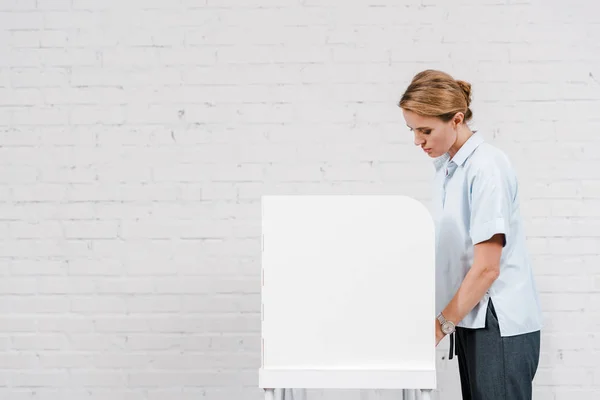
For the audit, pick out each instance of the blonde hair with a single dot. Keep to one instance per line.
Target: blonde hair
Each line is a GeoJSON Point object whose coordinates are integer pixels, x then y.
{"type": "Point", "coordinates": [435, 93]}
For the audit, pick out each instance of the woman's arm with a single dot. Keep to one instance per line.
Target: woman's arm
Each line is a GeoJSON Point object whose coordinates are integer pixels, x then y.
{"type": "Point", "coordinates": [483, 272]}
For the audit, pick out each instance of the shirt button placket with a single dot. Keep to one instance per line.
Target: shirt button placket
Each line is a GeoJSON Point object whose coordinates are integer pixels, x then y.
{"type": "Point", "coordinates": [449, 171]}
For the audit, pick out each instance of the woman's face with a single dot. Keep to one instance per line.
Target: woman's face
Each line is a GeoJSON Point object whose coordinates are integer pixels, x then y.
{"type": "Point", "coordinates": [433, 135]}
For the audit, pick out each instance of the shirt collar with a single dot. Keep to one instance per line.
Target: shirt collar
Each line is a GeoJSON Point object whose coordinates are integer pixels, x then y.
{"type": "Point", "coordinates": [440, 161]}
{"type": "Point", "coordinates": [462, 154]}
{"type": "Point", "coordinates": [467, 149]}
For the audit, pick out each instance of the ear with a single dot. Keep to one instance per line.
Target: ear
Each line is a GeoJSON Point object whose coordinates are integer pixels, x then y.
{"type": "Point", "coordinates": [458, 118]}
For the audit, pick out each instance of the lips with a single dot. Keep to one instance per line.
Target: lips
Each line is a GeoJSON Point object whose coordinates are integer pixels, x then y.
{"type": "Point", "coordinates": [427, 150]}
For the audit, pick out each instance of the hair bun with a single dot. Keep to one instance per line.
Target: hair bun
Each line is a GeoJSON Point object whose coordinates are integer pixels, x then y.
{"type": "Point", "coordinates": [434, 93]}
{"type": "Point", "coordinates": [466, 87]}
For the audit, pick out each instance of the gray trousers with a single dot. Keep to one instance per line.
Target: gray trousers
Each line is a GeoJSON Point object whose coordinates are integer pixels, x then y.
{"type": "Point", "coordinates": [492, 367]}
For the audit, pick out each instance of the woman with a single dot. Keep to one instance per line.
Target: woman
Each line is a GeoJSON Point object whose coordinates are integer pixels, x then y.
{"type": "Point", "coordinates": [486, 296]}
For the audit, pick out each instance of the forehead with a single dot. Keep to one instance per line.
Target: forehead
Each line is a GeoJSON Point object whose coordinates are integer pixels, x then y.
{"type": "Point", "coordinates": [416, 121]}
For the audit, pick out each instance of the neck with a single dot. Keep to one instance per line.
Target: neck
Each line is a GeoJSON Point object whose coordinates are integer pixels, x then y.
{"type": "Point", "coordinates": [464, 133]}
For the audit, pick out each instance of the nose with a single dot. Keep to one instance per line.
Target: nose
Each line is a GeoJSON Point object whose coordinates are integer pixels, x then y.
{"type": "Point", "coordinates": [418, 141]}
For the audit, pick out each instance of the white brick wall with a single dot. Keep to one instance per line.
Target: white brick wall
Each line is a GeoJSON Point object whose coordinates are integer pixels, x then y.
{"type": "Point", "coordinates": [136, 137]}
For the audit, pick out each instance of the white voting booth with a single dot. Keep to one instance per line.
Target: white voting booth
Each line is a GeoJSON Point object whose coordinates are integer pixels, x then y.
{"type": "Point", "coordinates": [348, 293]}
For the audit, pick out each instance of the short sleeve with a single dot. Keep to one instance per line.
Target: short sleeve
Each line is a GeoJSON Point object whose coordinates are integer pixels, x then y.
{"type": "Point", "coordinates": [491, 203]}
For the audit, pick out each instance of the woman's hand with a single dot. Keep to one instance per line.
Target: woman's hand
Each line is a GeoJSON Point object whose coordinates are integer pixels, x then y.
{"type": "Point", "coordinates": [439, 335]}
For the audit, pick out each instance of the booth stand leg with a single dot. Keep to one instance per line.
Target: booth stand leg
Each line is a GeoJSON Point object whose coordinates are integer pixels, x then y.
{"type": "Point", "coordinates": [426, 394]}
{"type": "Point", "coordinates": [269, 394]}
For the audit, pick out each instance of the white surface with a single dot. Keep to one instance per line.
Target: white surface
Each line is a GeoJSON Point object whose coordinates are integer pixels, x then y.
{"type": "Point", "coordinates": [348, 290]}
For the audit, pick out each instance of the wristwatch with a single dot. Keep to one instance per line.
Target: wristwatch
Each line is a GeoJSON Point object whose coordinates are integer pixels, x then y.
{"type": "Point", "coordinates": [448, 327]}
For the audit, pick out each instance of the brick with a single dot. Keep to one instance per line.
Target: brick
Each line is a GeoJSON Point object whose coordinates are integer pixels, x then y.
{"type": "Point", "coordinates": [13, 5]}
{"type": "Point", "coordinates": [33, 341]}
{"type": "Point", "coordinates": [25, 39]}
{"type": "Point", "coordinates": [68, 175]}
{"type": "Point", "coordinates": [187, 56]}
{"type": "Point", "coordinates": [90, 229]}
{"type": "Point", "coordinates": [26, 230]}
{"type": "Point", "coordinates": [18, 324]}
{"type": "Point", "coordinates": [97, 304]}
{"type": "Point", "coordinates": [36, 116]}
{"type": "Point", "coordinates": [39, 378]}
{"type": "Point", "coordinates": [95, 341]}
{"type": "Point", "coordinates": [24, 18]}
{"type": "Point", "coordinates": [97, 378]}
{"type": "Point", "coordinates": [69, 19]}
{"type": "Point", "coordinates": [35, 267]}
{"type": "Point", "coordinates": [280, 54]}
{"type": "Point", "coordinates": [64, 323]}
{"type": "Point", "coordinates": [93, 267]}
{"type": "Point", "coordinates": [38, 77]}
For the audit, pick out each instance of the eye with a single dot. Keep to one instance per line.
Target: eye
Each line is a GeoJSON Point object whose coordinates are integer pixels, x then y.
{"type": "Point", "coordinates": [426, 132]}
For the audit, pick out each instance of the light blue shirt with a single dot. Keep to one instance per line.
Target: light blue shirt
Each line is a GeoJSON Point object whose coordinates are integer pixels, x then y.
{"type": "Point", "coordinates": [475, 197]}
